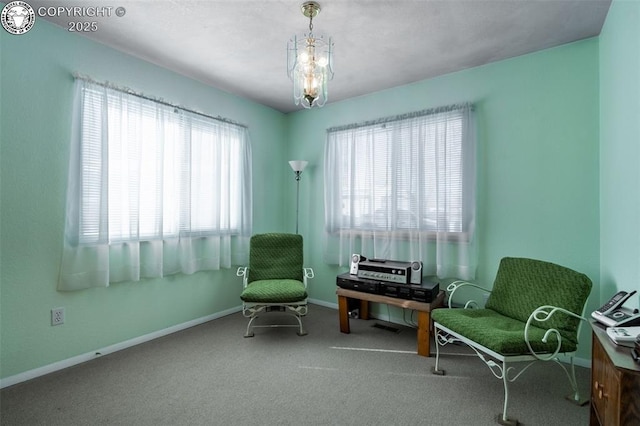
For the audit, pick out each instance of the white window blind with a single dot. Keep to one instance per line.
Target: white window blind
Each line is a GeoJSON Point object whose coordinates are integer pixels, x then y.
{"type": "Point", "coordinates": [168, 171]}
{"type": "Point", "coordinates": [143, 171]}
{"type": "Point", "coordinates": [406, 178]}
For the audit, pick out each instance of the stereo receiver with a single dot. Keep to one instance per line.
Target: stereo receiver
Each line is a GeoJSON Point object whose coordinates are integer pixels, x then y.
{"type": "Point", "coordinates": [393, 271]}
{"type": "Point", "coordinates": [385, 270]}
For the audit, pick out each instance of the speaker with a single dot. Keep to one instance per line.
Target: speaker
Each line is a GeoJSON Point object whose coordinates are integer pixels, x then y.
{"type": "Point", "coordinates": [416, 272]}
{"type": "Point", "coordinates": [355, 259]}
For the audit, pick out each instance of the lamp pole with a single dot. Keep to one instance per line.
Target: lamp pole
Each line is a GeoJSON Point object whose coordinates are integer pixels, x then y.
{"type": "Point", "coordinates": [298, 173]}
{"type": "Point", "coordinates": [297, 166]}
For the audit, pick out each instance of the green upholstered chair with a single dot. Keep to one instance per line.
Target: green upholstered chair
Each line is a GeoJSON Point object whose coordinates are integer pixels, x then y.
{"type": "Point", "coordinates": [275, 279]}
{"type": "Point", "coordinates": [533, 313]}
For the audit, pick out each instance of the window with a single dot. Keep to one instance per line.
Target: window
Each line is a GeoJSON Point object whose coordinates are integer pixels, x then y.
{"type": "Point", "coordinates": [143, 171]}
{"type": "Point", "coordinates": [169, 171]}
{"type": "Point", "coordinates": [409, 177]}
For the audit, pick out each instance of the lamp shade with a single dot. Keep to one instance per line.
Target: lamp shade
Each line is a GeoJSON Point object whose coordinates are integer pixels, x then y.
{"type": "Point", "coordinates": [298, 165]}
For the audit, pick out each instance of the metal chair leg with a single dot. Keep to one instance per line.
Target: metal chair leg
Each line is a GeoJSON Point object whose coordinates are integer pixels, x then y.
{"type": "Point", "coordinates": [503, 419]}
{"type": "Point", "coordinates": [295, 311]}
{"type": "Point", "coordinates": [435, 370]}
{"type": "Point", "coordinates": [575, 396]}
{"type": "Point", "coordinates": [250, 333]}
{"type": "Point", "coordinates": [302, 332]}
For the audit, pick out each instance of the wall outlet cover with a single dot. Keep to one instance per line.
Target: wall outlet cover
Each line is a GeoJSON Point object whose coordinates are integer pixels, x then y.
{"type": "Point", "coordinates": [57, 316]}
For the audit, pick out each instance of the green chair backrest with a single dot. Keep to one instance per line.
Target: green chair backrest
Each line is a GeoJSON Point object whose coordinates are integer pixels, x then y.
{"type": "Point", "coordinates": [275, 256]}
{"type": "Point", "coordinates": [522, 285]}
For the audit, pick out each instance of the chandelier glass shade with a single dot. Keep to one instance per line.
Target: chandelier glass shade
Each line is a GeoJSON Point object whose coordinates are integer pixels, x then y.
{"type": "Point", "coordinates": [310, 63]}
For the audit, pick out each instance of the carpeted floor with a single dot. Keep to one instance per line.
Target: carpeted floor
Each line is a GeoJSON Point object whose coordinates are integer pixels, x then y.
{"type": "Point", "coordinates": [211, 375]}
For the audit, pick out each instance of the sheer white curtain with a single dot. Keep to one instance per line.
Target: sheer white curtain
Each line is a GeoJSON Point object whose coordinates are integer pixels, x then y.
{"type": "Point", "coordinates": [403, 188]}
{"type": "Point", "coordinates": [153, 190]}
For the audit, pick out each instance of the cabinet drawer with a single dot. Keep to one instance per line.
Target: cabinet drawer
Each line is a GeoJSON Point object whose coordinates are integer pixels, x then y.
{"type": "Point", "coordinates": [605, 384]}
{"type": "Point", "coordinates": [615, 383]}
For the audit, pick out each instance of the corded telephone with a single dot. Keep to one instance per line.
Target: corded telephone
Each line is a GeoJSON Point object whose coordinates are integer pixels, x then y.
{"type": "Point", "coordinates": [612, 314]}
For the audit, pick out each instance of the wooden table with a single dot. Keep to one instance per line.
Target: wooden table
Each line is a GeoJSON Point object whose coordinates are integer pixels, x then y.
{"type": "Point", "coordinates": [424, 312]}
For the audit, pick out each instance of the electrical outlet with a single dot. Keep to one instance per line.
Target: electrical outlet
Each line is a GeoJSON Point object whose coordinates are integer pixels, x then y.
{"type": "Point", "coordinates": [57, 316]}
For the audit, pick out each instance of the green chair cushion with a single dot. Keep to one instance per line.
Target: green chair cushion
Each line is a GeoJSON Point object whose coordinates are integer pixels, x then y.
{"type": "Point", "coordinates": [274, 291]}
{"type": "Point", "coordinates": [276, 256]}
{"type": "Point", "coordinates": [523, 285]}
{"type": "Point", "coordinates": [497, 332]}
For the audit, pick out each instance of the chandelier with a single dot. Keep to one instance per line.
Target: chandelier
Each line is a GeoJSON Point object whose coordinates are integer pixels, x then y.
{"type": "Point", "coordinates": [310, 63]}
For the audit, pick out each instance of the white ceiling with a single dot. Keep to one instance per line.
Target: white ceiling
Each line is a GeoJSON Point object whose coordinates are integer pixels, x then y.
{"type": "Point", "coordinates": [240, 46]}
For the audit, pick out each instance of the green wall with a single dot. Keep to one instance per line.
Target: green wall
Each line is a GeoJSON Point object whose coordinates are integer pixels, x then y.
{"type": "Point", "coordinates": [538, 158]}
{"type": "Point", "coordinates": [541, 117]}
{"type": "Point", "coordinates": [36, 82]}
{"type": "Point", "coordinates": [620, 150]}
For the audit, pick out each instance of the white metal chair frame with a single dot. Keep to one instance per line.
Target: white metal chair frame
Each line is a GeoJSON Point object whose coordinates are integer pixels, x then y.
{"type": "Point", "coordinates": [501, 365]}
{"type": "Point", "coordinates": [252, 310]}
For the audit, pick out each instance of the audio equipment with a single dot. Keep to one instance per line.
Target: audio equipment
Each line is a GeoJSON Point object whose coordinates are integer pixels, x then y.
{"type": "Point", "coordinates": [426, 292]}
{"type": "Point", "coordinates": [385, 270]}
{"type": "Point", "coordinates": [355, 261]}
{"type": "Point", "coordinates": [351, 282]}
{"type": "Point", "coordinates": [399, 291]}
{"type": "Point", "coordinates": [416, 272]}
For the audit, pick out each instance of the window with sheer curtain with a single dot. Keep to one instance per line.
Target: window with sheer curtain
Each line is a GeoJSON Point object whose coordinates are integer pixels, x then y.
{"type": "Point", "coordinates": [153, 190]}
{"type": "Point", "coordinates": [403, 188]}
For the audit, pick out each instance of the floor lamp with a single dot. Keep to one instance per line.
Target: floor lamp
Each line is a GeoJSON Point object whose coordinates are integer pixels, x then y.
{"type": "Point", "coordinates": [297, 166]}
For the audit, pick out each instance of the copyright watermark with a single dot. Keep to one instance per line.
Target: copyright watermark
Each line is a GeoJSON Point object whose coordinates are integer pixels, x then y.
{"type": "Point", "coordinates": [82, 11]}
{"type": "Point", "coordinates": [18, 17]}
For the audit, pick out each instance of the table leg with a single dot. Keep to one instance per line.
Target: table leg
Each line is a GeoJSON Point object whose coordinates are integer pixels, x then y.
{"type": "Point", "coordinates": [343, 312]}
{"type": "Point", "coordinates": [424, 334]}
{"type": "Point", "coordinates": [364, 309]}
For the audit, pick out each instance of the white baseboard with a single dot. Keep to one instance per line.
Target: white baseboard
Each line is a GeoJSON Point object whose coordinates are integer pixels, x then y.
{"type": "Point", "coordinates": [324, 303]}
{"type": "Point", "coordinates": [69, 362]}
{"type": "Point", "coordinates": [580, 362]}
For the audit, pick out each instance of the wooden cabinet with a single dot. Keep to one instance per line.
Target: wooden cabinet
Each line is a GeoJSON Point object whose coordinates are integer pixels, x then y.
{"type": "Point", "coordinates": [615, 383]}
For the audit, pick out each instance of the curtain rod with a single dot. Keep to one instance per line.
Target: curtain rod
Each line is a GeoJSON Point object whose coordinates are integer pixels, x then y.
{"type": "Point", "coordinates": [158, 100]}
{"type": "Point", "coordinates": [404, 116]}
